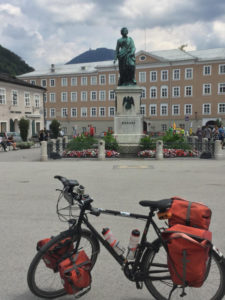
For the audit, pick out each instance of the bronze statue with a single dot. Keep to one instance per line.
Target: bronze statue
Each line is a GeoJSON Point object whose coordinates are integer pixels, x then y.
{"type": "Point", "coordinates": [125, 53]}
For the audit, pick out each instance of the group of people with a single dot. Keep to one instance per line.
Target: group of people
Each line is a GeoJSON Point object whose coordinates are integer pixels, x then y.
{"type": "Point", "coordinates": [217, 133]}
{"type": "Point", "coordinates": [8, 141]}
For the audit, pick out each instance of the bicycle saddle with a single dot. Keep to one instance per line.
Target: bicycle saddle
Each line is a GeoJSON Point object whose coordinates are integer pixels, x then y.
{"type": "Point", "coordinates": [160, 204]}
{"type": "Point", "coordinates": [67, 182]}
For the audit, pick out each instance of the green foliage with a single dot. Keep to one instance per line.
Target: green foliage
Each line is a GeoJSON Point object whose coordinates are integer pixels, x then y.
{"type": "Point", "coordinates": [24, 128]}
{"type": "Point", "coordinates": [218, 122]}
{"type": "Point", "coordinates": [175, 141]}
{"type": "Point", "coordinates": [110, 142]}
{"type": "Point", "coordinates": [81, 143]}
{"type": "Point", "coordinates": [54, 127]}
{"type": "Point", "coordinates": [12, 64]}
{"type": "Point", "coordinates": [147, 143]}
{"type": "Point", "coordinates": [24, 145]}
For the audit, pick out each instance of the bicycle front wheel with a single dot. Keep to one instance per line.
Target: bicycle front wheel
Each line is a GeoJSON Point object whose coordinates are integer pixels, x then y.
{"type": "Point", "coordinates": [44, 282]}
{"type": "Point", "coordinates": [160, 284]}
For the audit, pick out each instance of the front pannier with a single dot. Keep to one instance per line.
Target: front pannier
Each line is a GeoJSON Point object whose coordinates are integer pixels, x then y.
{"type": "Point", "coordinates": [188, 254]}
{"type": "Point", "coordinates": [189, 213]}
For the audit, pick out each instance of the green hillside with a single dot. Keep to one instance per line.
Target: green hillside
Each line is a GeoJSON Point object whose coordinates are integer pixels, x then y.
{"type": "Point", "coordinates": [12, 64]}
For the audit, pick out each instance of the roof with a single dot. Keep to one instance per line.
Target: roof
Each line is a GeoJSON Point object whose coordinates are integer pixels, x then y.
{"type": "Point", "coordinates": [173, 55]}
{"type": "Point", "coordinates": [14, 80]}
{"type": "Point", "coordinates": [100, 54]}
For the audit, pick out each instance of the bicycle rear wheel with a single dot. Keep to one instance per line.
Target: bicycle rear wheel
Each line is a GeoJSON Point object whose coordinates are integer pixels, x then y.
{"type": "Point", "coordinates": [155, 264]}
{"type": "Point", "coordinates": [44, 282]}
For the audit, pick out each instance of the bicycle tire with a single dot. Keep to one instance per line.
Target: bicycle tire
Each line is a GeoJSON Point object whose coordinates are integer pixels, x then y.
{"type": "Point", "coordinates": [212, 289]}
{"type": "Point", "coordinates": [37, 265]}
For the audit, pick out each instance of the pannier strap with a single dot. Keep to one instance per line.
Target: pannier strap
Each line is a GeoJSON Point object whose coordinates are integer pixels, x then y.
{"type": "Point", "coordinates": [188, 216]}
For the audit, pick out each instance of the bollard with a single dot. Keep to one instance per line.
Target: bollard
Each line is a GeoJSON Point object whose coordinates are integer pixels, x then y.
{"type": "Point", "coordinates": [101, 150]}
{"type": "Point", "coordinates": [205, 143]}
{"type": "Point", "coordinates": [159, 150]}
{"type": "Point", "coordinates": [54, 145]}
{"type": "Point", "coordinates": [44, 155]}
{"type": "Point", "coordinates": [60, 141]}
{"type": "Point", "coordinates": [218, 153]}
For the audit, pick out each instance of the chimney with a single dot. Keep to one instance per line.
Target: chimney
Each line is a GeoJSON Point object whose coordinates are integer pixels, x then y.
{"type": "Point", "coordinates": [52, 68]}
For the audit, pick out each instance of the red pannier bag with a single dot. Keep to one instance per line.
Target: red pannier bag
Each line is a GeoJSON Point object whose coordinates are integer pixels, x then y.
{"type": "Point", "coordinates": [75, 272]}
{"type": "Point", "coordinates": [188, 254]}
{"type": "Point", "coordinates": [56, 252]}
{"type": "Point", "coordinates": [189, 213]}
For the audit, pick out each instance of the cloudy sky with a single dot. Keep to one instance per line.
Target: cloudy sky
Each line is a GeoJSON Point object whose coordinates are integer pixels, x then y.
{"type": "Point", "coordinates": [43, 32]}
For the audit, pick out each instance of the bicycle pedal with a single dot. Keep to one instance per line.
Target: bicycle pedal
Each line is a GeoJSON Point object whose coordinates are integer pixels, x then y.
{"type": "Point", "coordinates": [139, 285]}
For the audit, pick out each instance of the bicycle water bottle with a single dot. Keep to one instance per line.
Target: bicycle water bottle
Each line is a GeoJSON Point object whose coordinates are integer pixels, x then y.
{"type": "Point", "coordinates": [133, 243]}
{"type": "Point", "coordinates": [109, 237]}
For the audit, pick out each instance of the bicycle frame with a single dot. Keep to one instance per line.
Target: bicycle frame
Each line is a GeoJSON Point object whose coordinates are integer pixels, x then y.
{"type": "Point", "coordinates": [143, 242]}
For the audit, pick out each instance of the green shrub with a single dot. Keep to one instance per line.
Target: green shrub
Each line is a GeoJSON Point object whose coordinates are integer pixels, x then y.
{"type": "Point", "coordinates": [175, 141]}
{"type": "Point", "coordinates": [81, 142]}
{"type": "Point", "coordinates": [147, 143]}
{"type": "Point", "coordinates": [24, 145]}
{"type": "Point", "coordinates": [110, 142]}
{"type": "Point", "coordinates": [24, 127]}
{"type": "Point", "coordinates": [54, 127]}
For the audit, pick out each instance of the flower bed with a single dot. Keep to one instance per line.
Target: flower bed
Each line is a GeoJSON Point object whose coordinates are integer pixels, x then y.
{"type": "Point", "coordinates": [168, 153]}
{"type": "Point", "coordinates": [88, 153]}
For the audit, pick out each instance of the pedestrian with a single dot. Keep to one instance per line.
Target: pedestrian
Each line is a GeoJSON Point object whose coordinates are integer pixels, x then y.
{"type": "Point", "coordinates": [221, 134]}
{"type": "Point", "coordinates": [199, 133]}
{"type": "Point", "coordinates": [207, 133]}
{"type": "Point", "coordinates": [215, 133]}
{"type": "Point", "coordinates": [41, 136]}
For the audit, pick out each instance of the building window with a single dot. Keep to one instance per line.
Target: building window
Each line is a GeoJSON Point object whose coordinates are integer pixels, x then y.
{"type": "Point", "coordinates": [206, 70]}
{"type": "Point", "coordinates": [64, 112]}
{"type": "Point", "coordinates": [142, 58]}
{"type": "Point", "coordinates": [188, 109]}
{"type": "Point", "coordinates": [188, 73]}
{"type": "Point", "coordinates": [221, 88]}
{"type": "Point", "coordinates": [52, 112]}
{"type": "Point", "coordinates": [153, 92]}
{"type": "Point", "coordinates": [101, 111]}
{"type": "Point", "coordinates": [37, 100]}
{"type": "Point", "coordinates": [93, 111]}
{"type": "Point", "coordinates": [175, 109]}
{"type": "Point", "coordinates": [64, 97]}
{"type": "Point", "coordinates": [52, 82]}
{"type": "Point", "coordinates": [2, 96]}
{"type": "Point", "coordinates": [73, 81]}
{"type": "Point", "coordinates": [188, 91]}
{"type": "Point", "coordinates": [44, 97]}
{"type": "Point", "coordinates": [164, 91]}
{"type": "Point", "coordinates": [93, 95]}
{"type": "Point", "coordinates": [176, 91]}
{"type": "Point", "coordinates": [164, 75]}
{"type": "Point", "coordinates": [143, 109]}
{"type": "Point", "coordinates": [15, 98]}
{"type": "Point", "coordinates": [93, 80]}
{"type": "Point", "coordinates": [83, 96]}
{"type": "Point", "coordinates": [83, 80]}
{"type": "Point", "coordinates": [153, 76]}
{"type": "Point", "coordinates": [164, 127]}
{"type": "Point", "coordinates": [33, 82]}
{"type": "Point", "coordinates": [206, 109]}
{"type": "Point", "coordinates": [164, 109]}
{"type": "Point", "coordinates": [73, 96]}
{"type": "Point", "coordinates": [83, 111]}
{"type": "Point", "coordinates": [112, 78]}
{"type": "Point", "coordinates": [111, 111]}
{"type": "Point", "coordinates": [221, 108]}
{"type": "Point", "coordinates": [221, 69]}
{"type": "Point", "coordinates": [207, 89]}
{"type": "Point", "coordinates": [143, 93]}
{"type": "Point", "coordinates": [63, 81]}
{"type": "Point", "coordinates": [43, 82]}
{"type": "Point", "coordinates": [142, 76]}
{"type": "Point", "coordinates": [153, 110]}
{"type": "Point", "coordinates": [27, 99]}
{"type": "Point", "coordinates": [176, 74]}
{"type": "Point", "coordinates": [52, 97]}
{"type": "Point", "coordinates": [73, 112]}
{"type": "Point", "coordinates": [102, 79]}
{"type": "Point", "coordinates": [102, 96]}
{"type": "Point", "coordinates": [112, 95]}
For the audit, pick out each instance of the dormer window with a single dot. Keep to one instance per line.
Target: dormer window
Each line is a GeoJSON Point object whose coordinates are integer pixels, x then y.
{"type": "Point", "coordinates": [142, 58]}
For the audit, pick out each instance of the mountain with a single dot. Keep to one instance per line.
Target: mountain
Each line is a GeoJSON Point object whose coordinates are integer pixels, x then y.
{"type": "Point", "coordinates": [12, 64]}
{"type": "Point", "coordinates": [100, 54]}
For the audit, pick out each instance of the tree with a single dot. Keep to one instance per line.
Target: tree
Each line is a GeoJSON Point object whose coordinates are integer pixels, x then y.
{"type": "Point", "coordinates": [54, 127]}
{"type": "Point", "coordinates": [24, 128]}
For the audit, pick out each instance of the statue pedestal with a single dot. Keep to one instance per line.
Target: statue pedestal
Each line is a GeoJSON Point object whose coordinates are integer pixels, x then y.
{"type": "Point", "coordinates": [128, 124]}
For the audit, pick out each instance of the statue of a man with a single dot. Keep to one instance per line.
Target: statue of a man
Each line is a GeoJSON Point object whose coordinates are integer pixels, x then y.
{"type": "Point", "coordinates": [125, 53]}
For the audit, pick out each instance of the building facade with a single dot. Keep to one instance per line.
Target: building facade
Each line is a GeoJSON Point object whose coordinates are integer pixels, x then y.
{"type": "Point", "coordinates": [19, 99]}
{"type": "Point", "coordinates": [178, 87]}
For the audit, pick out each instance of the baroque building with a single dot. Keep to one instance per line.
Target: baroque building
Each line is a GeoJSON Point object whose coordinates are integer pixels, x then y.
{"type": "Point", "coordinates": [178, 87]}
